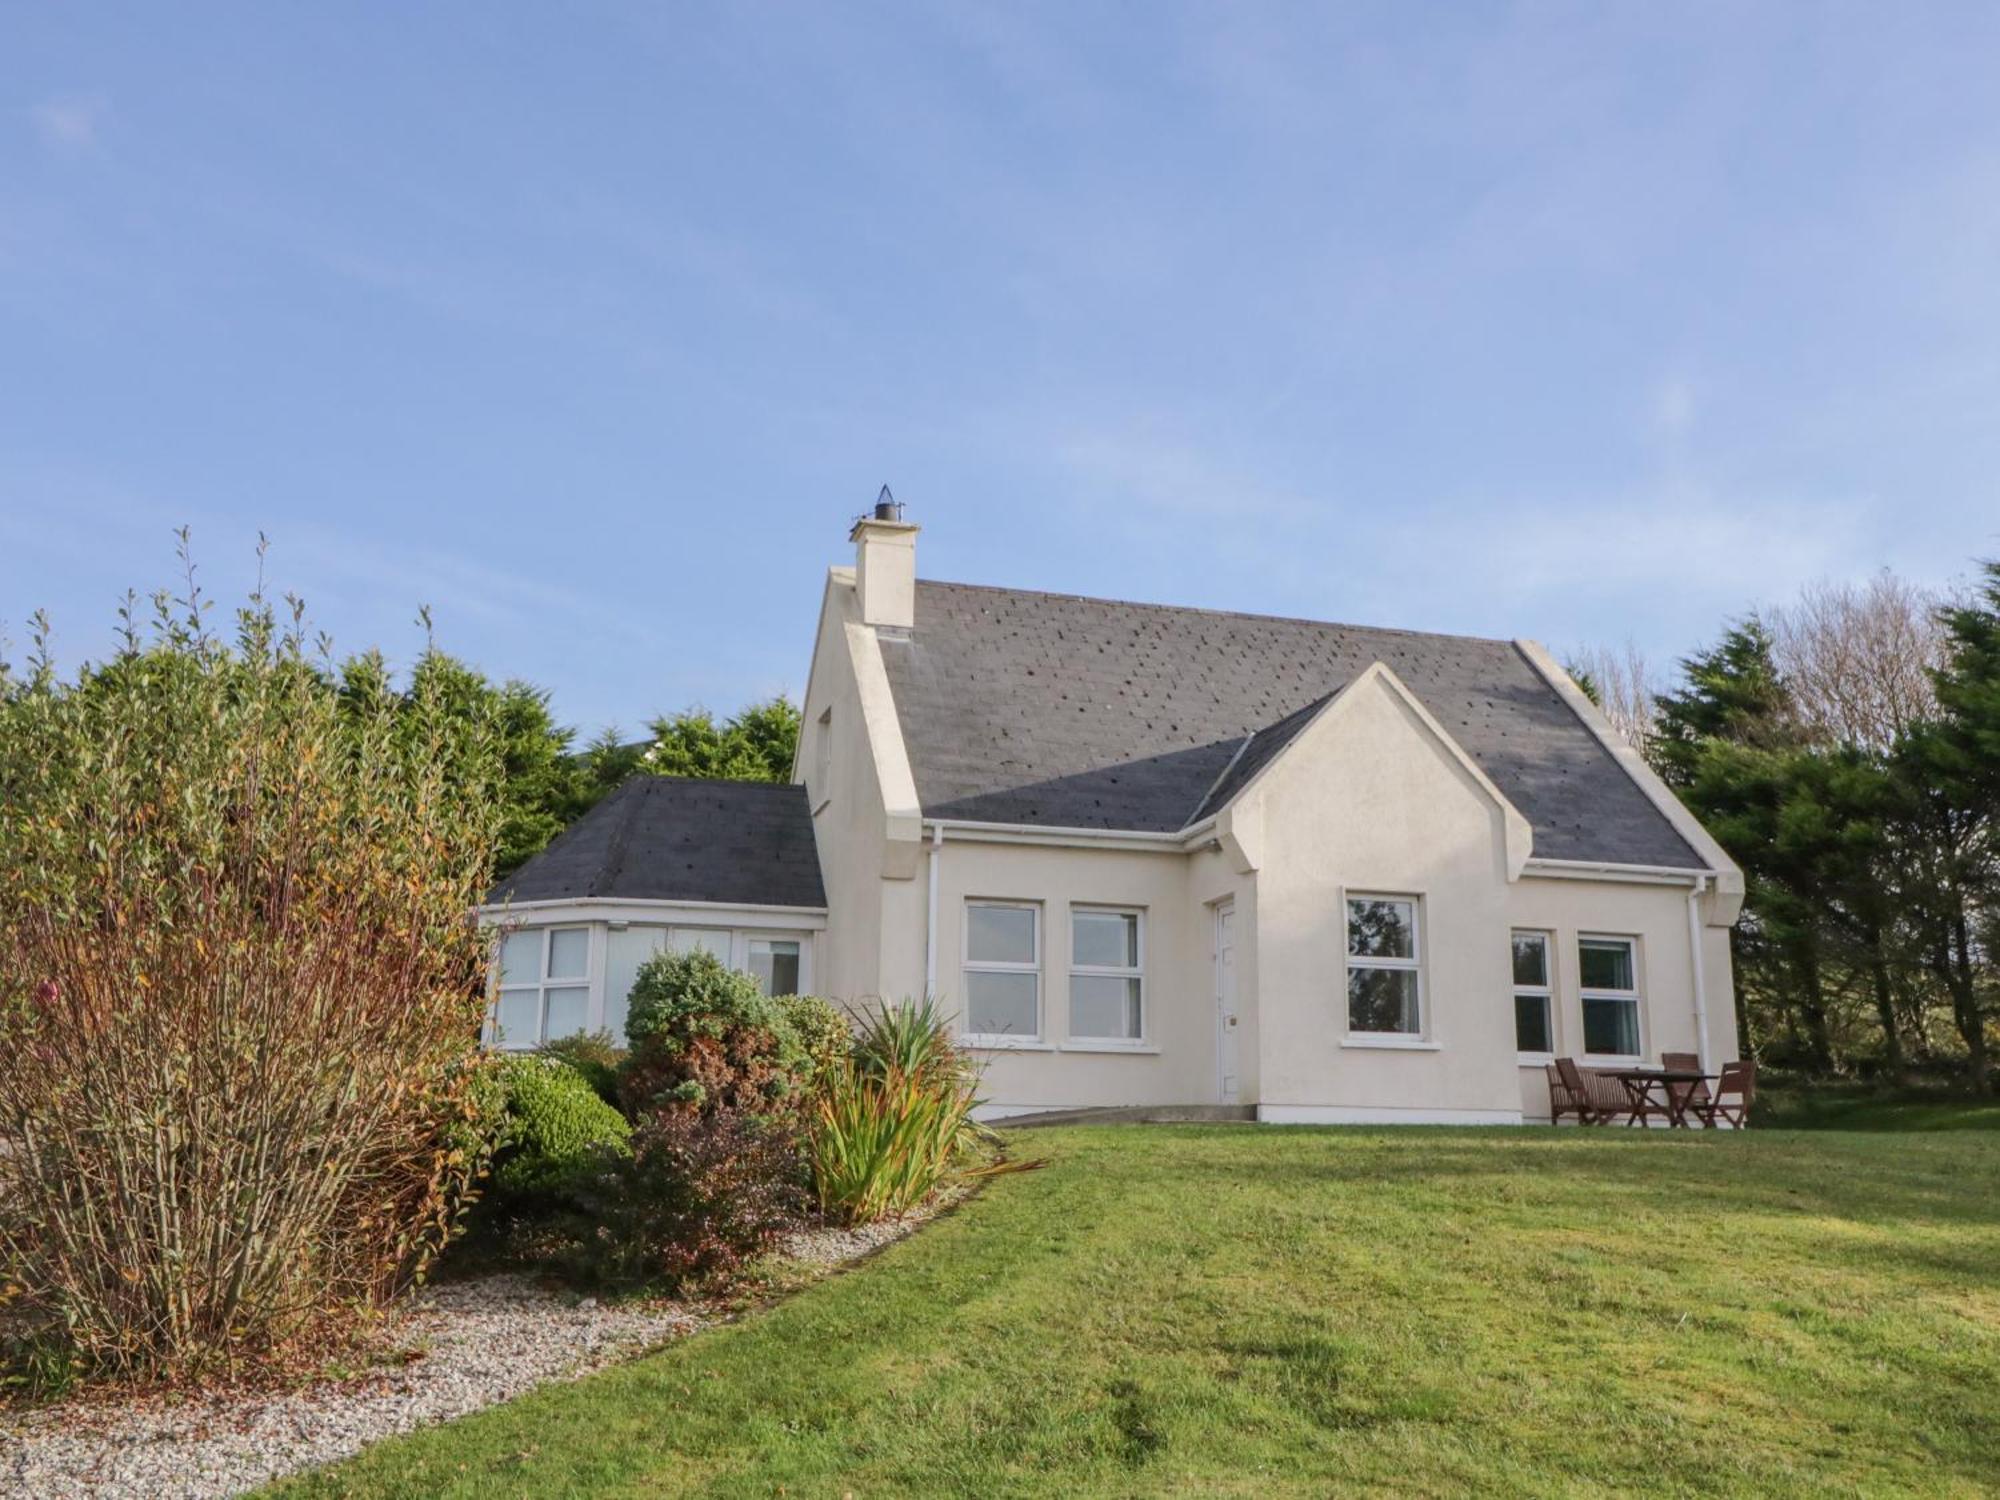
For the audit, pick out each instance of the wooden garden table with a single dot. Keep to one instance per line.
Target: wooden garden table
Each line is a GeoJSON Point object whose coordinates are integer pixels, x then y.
{"type": "Point", "coordinates": [1676, 1085]}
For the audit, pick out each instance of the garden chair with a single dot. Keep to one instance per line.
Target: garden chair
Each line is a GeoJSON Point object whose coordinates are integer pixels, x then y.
{"type": "Point", "coordinates": [1735, 1092]}
{"type": "Point", "coordinates": [1688, 1062]}
{"type": "Point", "coordinates": [1561, 1100]}
{"type": "Point", "coordinates": [1598, 1100]}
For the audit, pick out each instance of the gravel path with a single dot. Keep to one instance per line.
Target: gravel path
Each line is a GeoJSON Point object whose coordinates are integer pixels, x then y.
{"type": "Point", "coordinates": [482, 1341]}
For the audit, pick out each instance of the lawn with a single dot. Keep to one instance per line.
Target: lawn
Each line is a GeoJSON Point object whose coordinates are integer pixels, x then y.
{"type": "Point", "coordinates": [1838, 1106]}
{"type": "Point", "coordinates": [1234, 1310]}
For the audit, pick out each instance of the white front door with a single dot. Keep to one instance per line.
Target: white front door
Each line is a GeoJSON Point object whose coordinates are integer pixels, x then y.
{"type": "Point", "coordinates": [1225, 1001]}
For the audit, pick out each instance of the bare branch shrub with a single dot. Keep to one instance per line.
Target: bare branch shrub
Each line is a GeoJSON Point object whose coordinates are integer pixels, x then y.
{"type": "Point", "coordinates": [1624, 688]}
{"type": "Point", "coordinates": [239, 993]}
{"type": "Point", "coordinates": [1857, 657]}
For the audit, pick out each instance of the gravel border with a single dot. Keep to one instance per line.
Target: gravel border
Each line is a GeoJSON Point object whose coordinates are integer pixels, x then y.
{"type": "Point", "coordinates": [479, 1342]}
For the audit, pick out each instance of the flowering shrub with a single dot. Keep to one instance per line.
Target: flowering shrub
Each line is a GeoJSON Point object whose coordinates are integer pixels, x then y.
{"type": "Point", "coordinates": [239, 994]}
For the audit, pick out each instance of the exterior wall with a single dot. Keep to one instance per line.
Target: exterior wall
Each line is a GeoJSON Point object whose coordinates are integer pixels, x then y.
{"type": "Point", "coordinates": [1654, 915]}
{"type": "Point", "coordinates": [1369, 800]}
{"type": "Point", "coordinates": [849, 815]}
{"type": "Point", "coordinates": [1176, 1062]}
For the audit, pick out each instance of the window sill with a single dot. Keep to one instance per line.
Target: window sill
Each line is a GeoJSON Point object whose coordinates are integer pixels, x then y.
{"type": "Point", "coordinates": [1004, 1044]}
{"type": "Point", "coordinates": [1536, 1059]}
{"type": "Point", "coordinates": [1607, 1060]}
{"type": "Point", "coordinates": [1392, 1043]}
{"type": "Point", "coordinates": [1130, 1049]}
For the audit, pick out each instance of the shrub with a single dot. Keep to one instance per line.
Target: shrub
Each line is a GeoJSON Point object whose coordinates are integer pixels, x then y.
{"type": "Point", "coordinates": [823, 1033]}
{"type": "Point", "coordinates": [556, 1128]}
{"type": "Point", "coordinates": [706, 1038]}
{"type": "Point", "coordinates": [700, 1194]}
{"type": "Point", "coordinates": [238, 988]}
{"type": "Point", "coordinates": [893, 1122]}
{"type": "Point", "coordinates": [595, 1056]}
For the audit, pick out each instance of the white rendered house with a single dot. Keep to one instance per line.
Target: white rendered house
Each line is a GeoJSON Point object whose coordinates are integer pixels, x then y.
{"type": "Point", "coordinates": [1154, 856]}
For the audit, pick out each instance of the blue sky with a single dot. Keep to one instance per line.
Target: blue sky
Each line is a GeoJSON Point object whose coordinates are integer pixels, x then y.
{"type": "Point", "coordinates": [592, 326]}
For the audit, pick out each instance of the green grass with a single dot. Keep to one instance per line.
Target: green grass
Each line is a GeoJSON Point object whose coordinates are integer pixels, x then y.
{"type": "Point", "coordinates": [1243, 1311]}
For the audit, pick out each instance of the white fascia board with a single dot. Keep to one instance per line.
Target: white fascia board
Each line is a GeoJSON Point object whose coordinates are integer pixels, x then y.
{"type": "Point", "coordinates": [1520, 834]}
{"type": "Point", "coordinates": [1727, 899]}
{"type": "Point", "coordinates": [963, 830]}
{"type": "Point", "coordinates": [629, 909]}
{"type": "Point", "coordinates": [1587, 869]}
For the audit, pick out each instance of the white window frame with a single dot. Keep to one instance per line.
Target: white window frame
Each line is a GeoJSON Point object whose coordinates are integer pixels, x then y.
{"type": "Point", "coordinates": [1420, 1039]}
{"type": "Point", "coordinates": [822, 758]}
{"type": "Point", "coordinates": [1002, 1041]}
{"type": "Point", "coordinates": [590, 982]}
{"type": "Point", "coordinates": [802, 941]}
{"type": "Point", "coordinates": [1075, 1042]}
{"type": "Point", "coordinates": [1634, 996]}
{"type": "Point", "coordinates": [1545, 992]}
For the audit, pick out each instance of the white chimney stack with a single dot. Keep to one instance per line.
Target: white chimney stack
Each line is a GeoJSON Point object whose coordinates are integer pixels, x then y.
{"type": "Point", "coordinates": [885, 565]}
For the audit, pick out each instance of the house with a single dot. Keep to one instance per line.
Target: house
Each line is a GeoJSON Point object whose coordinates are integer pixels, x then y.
{"type": "Point", "coordinates": [1165, 856]}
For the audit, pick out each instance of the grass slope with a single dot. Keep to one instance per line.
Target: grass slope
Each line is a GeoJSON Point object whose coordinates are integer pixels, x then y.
{"type": "Point", "coordinates": [1284, 1311]}
{"type": "Point", "coordinates": [1835, 1106]}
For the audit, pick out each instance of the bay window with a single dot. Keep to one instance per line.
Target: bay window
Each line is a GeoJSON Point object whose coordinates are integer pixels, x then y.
{"type": "Point", "coordinates": [544, 985]}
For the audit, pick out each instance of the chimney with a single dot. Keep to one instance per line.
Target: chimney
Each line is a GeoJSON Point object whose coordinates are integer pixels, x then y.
{"type": "Point", "coordinates": [885, 564]}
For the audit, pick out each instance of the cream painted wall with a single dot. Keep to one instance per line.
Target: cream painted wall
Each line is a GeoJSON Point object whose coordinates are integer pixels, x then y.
{"type": "Point", "coordinates": [1368, 800]}
{"type": "Point", "coordinates": [1178, 1062]}
{"type": "Point", "coordinates": [1655, 915]}
{"type": "Point", "coordinates": [848, 813]}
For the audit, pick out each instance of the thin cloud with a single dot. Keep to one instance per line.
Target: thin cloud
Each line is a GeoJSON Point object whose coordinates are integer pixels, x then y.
{"type": "Point", "coordinates": [70, 124]}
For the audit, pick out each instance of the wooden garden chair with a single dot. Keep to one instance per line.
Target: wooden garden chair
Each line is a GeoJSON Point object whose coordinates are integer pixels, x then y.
{"type": "Point", "coordinates": [1561, 1100]}
{"type": "Point", "coordinates": [1598, 1100]}
{"type": "Point", "coordinates": [1688, 1062]}
{"type": "Point", "coordinates": [1735, 1092]}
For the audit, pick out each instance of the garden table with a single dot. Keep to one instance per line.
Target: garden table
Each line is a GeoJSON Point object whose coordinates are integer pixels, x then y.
{"type": "Point", "coordinates": [1676, 1086]}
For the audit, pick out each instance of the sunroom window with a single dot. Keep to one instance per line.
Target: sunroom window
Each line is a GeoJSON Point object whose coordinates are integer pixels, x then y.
{"type": "Point", "coordinates": [544, 985]}
{"type": "Point", "coordinates": [1384, 988]}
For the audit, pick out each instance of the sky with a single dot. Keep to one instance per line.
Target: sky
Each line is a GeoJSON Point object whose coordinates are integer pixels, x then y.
{"type": "Point", "coordinates": [592, 327]}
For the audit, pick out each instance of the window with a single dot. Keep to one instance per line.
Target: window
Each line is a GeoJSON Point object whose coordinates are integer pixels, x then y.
{"type": "Point", "coordinates": [1534, 997]}
{"type": "Point", "coordinates": [775, 964]}
{"type": "Point", "coordinates": [1383, 986]}
{"type": "Point", "coordinates": [1106, 982]}
{"type": "Point", "coordinates": [626, 950]}
{"type": "Point", "coordinates": [544, 985]}
{"type": "Point", "coordinates": [822, 756]}
{"type": "Point", "coordinates": [1607, 975]}
{"type": "Point", "coordinates": [1003, 971]}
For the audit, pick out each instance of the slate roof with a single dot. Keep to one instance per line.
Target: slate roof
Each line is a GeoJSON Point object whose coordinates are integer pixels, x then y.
{"type": "Point", "coordinates": [670, 838]}
{"type": "Point", "coordinates": [1059, 711]}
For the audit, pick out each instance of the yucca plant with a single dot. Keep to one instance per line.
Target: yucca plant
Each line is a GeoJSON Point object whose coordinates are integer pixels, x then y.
{"type": "Point", "coordinates": [893, 1122]}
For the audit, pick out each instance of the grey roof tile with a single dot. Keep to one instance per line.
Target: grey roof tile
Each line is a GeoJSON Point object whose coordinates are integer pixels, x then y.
{"type": "Point", "coordinates": [669, 838]}
{"type": "Point", "coordinates": [1059, 711]}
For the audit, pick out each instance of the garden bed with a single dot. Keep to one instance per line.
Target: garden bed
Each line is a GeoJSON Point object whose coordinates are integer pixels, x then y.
{"type": "Point", "coordinates": [458, 1347]}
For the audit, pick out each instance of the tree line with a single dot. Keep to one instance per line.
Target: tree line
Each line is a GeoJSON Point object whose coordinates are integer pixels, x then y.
{"type": "Point", "coordinates": [1845, 750]}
